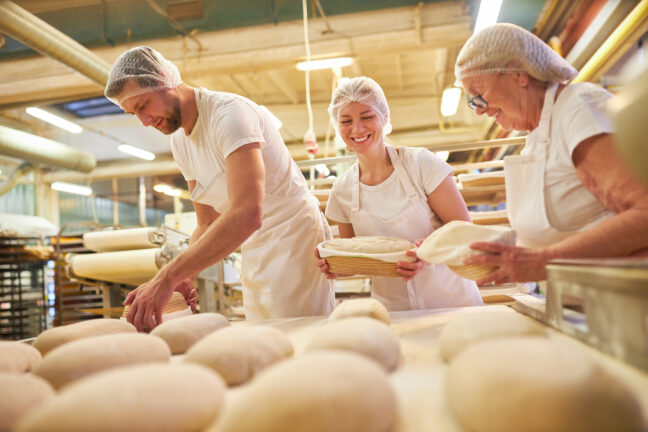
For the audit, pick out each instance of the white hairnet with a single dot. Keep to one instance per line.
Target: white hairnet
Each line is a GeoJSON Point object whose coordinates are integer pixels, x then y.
{"type": "Point", "coordinates": [509, 48]}
{"type": "Point", "coordinates": [363, 90]}
{"type": "Point", "coordinates": [140, 70]}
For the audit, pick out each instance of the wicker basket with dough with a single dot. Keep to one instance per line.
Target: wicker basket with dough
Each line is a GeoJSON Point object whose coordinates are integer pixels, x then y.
{"type": "Point", "coordinates": [450, 244]}
{"type": "Point", "coordinates": [176, 307]}
{"type": "Point", "coordinates": [366, 255]}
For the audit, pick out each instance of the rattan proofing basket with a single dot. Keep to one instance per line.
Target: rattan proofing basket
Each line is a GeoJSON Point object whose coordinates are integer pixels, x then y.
{"type": "Point", "coordinates": [363, 266]}
{"type": "Point", "coordinates": [472, 272]}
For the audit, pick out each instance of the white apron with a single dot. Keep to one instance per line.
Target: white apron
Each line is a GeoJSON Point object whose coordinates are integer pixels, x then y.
{"type": "Point", "coordinates": [436, 286]}
{"type": "Point", "coordinates": [280, 276]}
{"type": "Point", "coordinates": [525, 185]}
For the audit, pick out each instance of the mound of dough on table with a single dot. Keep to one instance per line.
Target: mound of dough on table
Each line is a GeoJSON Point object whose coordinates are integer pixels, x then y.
{"type": "Point", "coordinates": [54, 337]}
{"type": "Point", "coordinates": [360, 307]}
{"type": "Point", "coordinates": [144, 398]}
{"type": "Point", "coordinates": [326, 391]}
{"type": "Point", "coordinates": [534, 385]}
{"type": "Point", "coordinates": [18, 357]}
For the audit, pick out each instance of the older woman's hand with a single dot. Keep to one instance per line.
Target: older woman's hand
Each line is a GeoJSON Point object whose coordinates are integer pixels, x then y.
{"type": "Point", "coordinates": [410, 269]}
{"type": "Point", "coordinates": [515, 264]}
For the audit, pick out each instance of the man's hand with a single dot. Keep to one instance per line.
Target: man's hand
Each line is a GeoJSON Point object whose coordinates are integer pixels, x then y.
{"type": "Point", "coordinates": [515, 264]}
{"type": "Point", "coordinates": [186, 288]}
{"type": "Point", "coordinates": [146, 304]}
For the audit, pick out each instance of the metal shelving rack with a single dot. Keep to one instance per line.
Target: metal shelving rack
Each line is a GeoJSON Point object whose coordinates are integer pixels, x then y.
{"type": "Point", "coordinates": [23, 298]}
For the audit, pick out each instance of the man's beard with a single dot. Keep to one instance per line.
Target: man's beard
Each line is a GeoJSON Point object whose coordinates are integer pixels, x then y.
{"type": "Point", "coordinates": [174, 120]}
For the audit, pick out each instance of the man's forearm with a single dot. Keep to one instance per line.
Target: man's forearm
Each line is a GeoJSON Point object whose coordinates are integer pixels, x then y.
{"type": "Point", "coordinates": [215, 243]}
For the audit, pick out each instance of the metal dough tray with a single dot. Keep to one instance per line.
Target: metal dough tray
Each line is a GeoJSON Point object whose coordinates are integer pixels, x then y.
{"type": "Point", "coordinates": [607, 303]}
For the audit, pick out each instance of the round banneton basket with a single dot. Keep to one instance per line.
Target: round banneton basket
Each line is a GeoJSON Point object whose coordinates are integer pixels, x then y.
{"type": "Point", "coordinates": [368, 264]}
{"type": "Point", "coordinates": [176, 308]}
{"type": "Point", "coordinates": [473, 272]}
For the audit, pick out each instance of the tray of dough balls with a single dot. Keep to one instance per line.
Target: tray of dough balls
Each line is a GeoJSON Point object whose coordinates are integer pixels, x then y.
{"type": "Point", "coordinates": [366, 255]}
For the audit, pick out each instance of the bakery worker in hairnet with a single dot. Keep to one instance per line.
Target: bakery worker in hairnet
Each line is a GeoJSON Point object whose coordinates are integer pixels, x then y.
{"type": "Point", "coordinates": [245, 187]}
{"type": "Point", "coordinates": [403, 192]}
{"type": "Point", "coordinates": [568, 194]}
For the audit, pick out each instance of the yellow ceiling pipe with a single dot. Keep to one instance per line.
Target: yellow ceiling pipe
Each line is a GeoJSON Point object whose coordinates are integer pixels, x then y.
{"type": "Point", "coordinates": [619, 36]}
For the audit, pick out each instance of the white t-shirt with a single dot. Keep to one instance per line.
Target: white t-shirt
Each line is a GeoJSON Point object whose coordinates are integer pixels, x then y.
{"type": "Point", "coordinates": [225, 123]}
{"type": "Point", "coordinates": [389, 198]}
{"type": "Point", "coordinates": [579, 113]}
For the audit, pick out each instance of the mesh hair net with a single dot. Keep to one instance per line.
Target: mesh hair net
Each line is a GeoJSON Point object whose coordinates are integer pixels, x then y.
{"type": "Point", "coordinates": [363, 90]}
{"type": "Point", "coordinates": [509, 48]}
{"type": "Point", "coordinates": [140, 70]}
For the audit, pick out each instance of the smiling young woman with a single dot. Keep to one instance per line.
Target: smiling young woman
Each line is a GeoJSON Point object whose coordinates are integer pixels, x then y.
{"type": "Point", "coordinates": [401, 192]}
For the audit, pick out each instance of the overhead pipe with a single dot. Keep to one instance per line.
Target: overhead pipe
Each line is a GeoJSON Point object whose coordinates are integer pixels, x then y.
{"type": "Point", "coordinates": [618, 38]}
{"type": "Point", "coordinates": [35, 149]}
{"type": "Point", "coordinates": [42, 37]}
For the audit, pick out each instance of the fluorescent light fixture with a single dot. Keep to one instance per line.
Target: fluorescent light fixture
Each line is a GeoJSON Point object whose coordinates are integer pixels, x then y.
{"type": "Point", "coordinates": [162, 188]}
{"type": "Point", "coordinates": [443, 155]}
{"type": "Point", "coordinates": [173, 192]}
{"type": "Point", "coordinates": [135, 151]}
{"type": "Point", "coordinates": [331, 63]}
{"type": "Point", "coordinates": [450, 101]}
{"type": "Point", "coordinates": [71, 188]}
{"type": "Point", "coordinates": [55, 120]}
{"type": "Point", "coordinates": [488, 12]}
{"type": "Point", "coordinates": [275, 120]}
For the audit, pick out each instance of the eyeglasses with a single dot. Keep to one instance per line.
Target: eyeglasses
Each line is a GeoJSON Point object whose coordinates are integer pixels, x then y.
{"type": "Point", "coordinates": [475, 102]}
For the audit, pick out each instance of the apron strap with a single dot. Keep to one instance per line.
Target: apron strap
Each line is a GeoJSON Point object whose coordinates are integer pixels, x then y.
{"type": "Point", "coordinates": [404, 178]}
{"type": "Point", "coordinates": [355, 189]}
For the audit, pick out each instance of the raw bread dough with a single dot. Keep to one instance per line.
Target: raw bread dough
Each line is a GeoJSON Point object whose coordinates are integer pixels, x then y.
{"type": "Point", "coordinates": [362, 335]}
{"type": "Point", "coordinates": [18, 357]}
{"type": "Point", "coordinates": [238, 353]}
{"type": "Point", "coordinates": [369, 244]}
{"type": "Point", "coordinates": [20, 393]}
{"type": "Point", "coordinates": [318, 392]}
{"type": "Point", "coordinates": [142, 398]}
{"type": "Point", "coordinates": [362, 307]}
{"type": "Point", "coordinates": [84, 357]}
{"type": "Point", "coordinates": [181, 333]}
{"type": "Point", "coordinates": [450, 244]}
{"type": "Point", "coordinates": [472, 328]}
{"type": "Point", "coordinates": [50, 339]}
{"type": "Point", "coordinates": [535, 384]}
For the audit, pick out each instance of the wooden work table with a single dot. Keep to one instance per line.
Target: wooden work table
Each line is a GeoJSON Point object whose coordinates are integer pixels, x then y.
{"type": "Point", "coordinates": [419, 380]}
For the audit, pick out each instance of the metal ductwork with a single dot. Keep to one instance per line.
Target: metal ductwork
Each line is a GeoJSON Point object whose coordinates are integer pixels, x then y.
{"type": "Point", "coordinates": [37, 34]}
{"type": "Point", "coordinates": [35, 149]}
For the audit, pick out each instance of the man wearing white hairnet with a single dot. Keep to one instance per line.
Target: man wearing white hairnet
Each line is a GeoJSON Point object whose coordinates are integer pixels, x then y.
{"type": "Point", "coordinates": [246, 189]}
{"type": "Point", "coordinates": [568, 194]}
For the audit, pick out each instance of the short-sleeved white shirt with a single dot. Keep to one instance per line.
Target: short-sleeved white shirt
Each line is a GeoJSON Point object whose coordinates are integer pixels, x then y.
{"type": "Point", "coordinates": [579, 113]}
{"type": "Point", "coordinates": [225, 123]}
{"type": "Point", "coordinates": [389, 198]}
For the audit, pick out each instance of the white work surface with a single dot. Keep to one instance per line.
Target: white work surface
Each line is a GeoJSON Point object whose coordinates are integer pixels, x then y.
{"type": "Point", "coordinates": [419, 379]}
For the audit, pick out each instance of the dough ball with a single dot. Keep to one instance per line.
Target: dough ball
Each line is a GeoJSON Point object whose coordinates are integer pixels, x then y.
{"type": "Point", "coordinates": [50, 339]}
{"type": "Point", "coordinates": [361, 335]}
{"type": "Point", "coordinates": [450, 244]}
{"type": "Point", "coordinates": [142, 398]}
{"type": "Point", "coordinates": [468, 329]}
{"type": "Point", "coordinates": [20, 393]}
{"type": "Point", "coordinates": [18, 357]}
{"type": "Point", "coordinates": [84, 357]}
{"type": "Point", "coordinates": [369, 244]}
{"type": "Point", "coordinates": [363, 307]}
{"type": "Point", "coordinates": [182, 333]}
{"type": "Point", "coordinates": [238, 353]}
{"type": "Point", "coordinates": [535, 384]}
{"type": "Point", "coordinates": [318, 392]}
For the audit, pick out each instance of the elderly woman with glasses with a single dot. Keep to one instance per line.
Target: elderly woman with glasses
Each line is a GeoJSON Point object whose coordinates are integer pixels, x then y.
{"type": "Point", "coordinates": [568, 193]}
